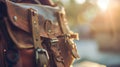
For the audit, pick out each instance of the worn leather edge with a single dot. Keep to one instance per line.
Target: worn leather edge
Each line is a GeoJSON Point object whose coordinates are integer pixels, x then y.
{"type": "Point", "coordinates": [19, 16]}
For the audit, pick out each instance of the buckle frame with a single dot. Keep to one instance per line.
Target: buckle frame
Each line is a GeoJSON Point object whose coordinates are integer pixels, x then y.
{"type": "Point", "coordinates": [42, 57]}
{"type": "Point", "coordinates": [42, 51]}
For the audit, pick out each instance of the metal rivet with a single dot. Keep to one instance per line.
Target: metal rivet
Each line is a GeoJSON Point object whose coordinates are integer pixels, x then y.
{"type": "Point", "coordinates": [34, 22]}
{"type": "Point", "coordinates": [4, 50]}
{"type": "Point", "coordinates": [49, 31]}
{"type": "Point", "coordinates": [34, 13]}
{"type": "Point", "coordinates": [15, 18]}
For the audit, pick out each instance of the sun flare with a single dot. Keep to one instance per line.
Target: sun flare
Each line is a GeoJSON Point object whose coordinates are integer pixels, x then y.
{"type": "Point", "coordinates": [80, 1]}
{"type": "Point", "coordinates": [103, 4]}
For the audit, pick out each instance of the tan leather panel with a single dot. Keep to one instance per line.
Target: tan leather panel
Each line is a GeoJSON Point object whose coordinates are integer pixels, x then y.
{"type": "Point", "coordinates": [19, 16]}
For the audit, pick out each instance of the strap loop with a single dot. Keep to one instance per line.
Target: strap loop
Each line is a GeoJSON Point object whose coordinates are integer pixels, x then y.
{"type": "Point", "coordinates": [41, 54]}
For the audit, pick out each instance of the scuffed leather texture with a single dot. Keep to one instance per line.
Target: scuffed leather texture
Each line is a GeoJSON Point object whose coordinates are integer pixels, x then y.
{"type": "Point", "coordinates": [21, 12]}
{"type": "Point", "coordinates": [21, 28]}
{"type": "Point", "coordinates": [17, 24]}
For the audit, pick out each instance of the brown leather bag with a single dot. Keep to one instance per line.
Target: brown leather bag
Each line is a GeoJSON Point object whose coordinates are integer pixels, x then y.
{"type": "Point", "coordinates": [34, 35]}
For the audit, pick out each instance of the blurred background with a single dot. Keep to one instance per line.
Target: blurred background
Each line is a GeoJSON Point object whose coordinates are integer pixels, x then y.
{"type": "Point", "coordinates": [98, 25]}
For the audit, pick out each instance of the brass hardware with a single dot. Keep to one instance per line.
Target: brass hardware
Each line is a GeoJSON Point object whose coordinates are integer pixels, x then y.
{"type": "Point", "coordinates": [34, 22]}
{"type": "Point", "coordinates": [73, 36]}
{"type": "Point", "coordinates": [42, 51]}
{"type": "Point", "coordinates": [15, 18]}
{"type": "Point", "coordinates": [54, 41]}
{"type": "Point", "coordinates": [34, 13]}
{"type": "Point", "coordinates": [49, 31]}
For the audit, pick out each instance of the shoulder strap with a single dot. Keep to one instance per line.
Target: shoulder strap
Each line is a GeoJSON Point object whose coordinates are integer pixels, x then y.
{"type": "Point", "coordinates": [41, 54]}
{"type": "Point", "coordinates": [2, 46]}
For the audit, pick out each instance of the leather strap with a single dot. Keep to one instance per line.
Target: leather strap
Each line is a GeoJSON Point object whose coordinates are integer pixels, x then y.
{"type": "Point", "coordinates": [58, 59]}
{"type": "Point", "coordinates": [67, 34]}
{"type": "Point", "coordinates": [41, 54]}
{"type": "Point", "coordinates": [2, 46]}
{"type": "Point", "coordinates": [35, 28]}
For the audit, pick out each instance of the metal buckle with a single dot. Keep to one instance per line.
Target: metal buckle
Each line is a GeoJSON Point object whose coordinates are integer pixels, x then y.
{"type": "Point", "coordinates": [54, 41]}
{"type": "Point", "coordinates": [42, 51]}
{"type": "Point", "coordinates": [70, 36]}
{"type": "Point", "coordinates": [42, 57]}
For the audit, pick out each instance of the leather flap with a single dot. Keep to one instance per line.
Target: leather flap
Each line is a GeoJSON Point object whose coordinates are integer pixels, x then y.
{"type": "Point", "coordinates": [19, 16]}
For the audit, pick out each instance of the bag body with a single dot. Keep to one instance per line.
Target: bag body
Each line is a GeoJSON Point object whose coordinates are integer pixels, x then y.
{"type": "Point", "coordinates": [17, 46]}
